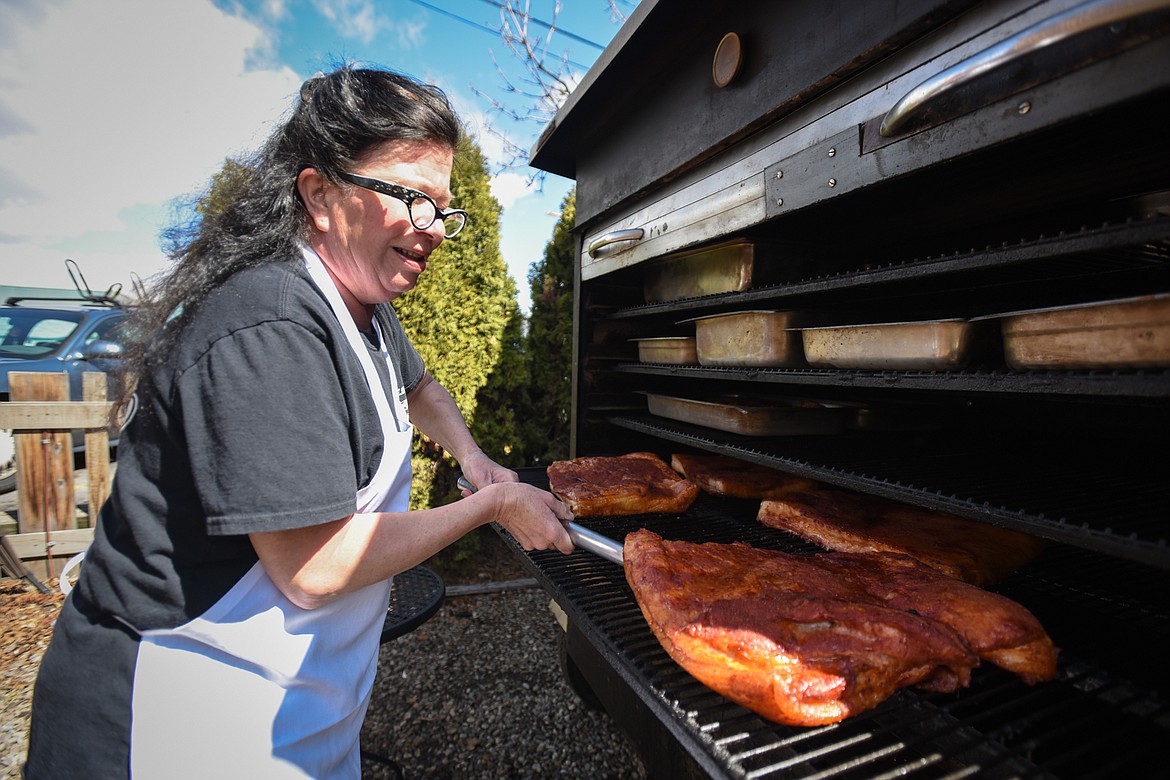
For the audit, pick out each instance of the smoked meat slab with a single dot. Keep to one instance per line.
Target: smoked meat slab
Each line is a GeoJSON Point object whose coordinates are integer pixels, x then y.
{"type": "Point", "coordinates": [811, 640]}
{"type": "Point", "coordinates": [633, 484]}
{"type": "Point", "coordinates": [723, 475]}
{"type": "Point", "coordinates": [843, 521]}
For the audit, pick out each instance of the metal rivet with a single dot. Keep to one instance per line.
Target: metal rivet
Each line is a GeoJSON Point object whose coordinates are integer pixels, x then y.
{"type": "Point", "coordinates": [832, 152]}
{"type": "Point", "coordinates": [1024, 108]}
{"type": "Point", "coordinates": [779, 174]}
{"type": "Point", "coordinates": [832, 182]}
{"type": "Point", "coordinates": [779, 201]}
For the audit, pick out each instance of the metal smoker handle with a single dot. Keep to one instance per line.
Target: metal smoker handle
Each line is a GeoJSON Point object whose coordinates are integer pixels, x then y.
{"type": "Point", "coordinates": [597, 248]}
{"type": "Point", "coordinates": [1049, 35]}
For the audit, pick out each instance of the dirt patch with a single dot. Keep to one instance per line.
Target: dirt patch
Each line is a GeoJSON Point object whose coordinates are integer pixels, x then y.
{"type": "Point", "coordinates": [25, 629]}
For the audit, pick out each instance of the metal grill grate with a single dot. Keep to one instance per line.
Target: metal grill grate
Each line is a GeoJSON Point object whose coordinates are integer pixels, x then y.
{"type": "Point", "coordinates": [1087, 723]}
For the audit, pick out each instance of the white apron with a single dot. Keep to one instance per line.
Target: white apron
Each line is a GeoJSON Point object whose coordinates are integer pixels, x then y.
{"type": "Point", "coordinates": [257, 687]}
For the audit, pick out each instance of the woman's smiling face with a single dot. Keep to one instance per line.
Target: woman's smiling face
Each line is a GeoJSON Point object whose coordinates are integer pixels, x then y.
{"type": "Point", "coordinates": [366, 240]}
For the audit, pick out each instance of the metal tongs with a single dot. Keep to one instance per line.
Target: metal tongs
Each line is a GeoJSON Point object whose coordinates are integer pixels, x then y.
{"type": "Point", "coordinates": [581, 536]}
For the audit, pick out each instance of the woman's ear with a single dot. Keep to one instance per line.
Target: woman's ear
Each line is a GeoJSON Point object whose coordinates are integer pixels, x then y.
{"type": "Point", "coordinates": [313, 189]}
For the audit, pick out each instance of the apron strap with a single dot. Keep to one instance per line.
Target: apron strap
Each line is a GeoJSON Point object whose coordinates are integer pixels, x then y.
{"type": "Point", "coordinates": [389, 489]}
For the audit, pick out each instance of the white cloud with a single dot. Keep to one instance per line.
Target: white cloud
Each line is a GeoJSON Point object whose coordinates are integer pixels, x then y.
{"type": "Point", "coordinates": [411, 33]}
{"type": "Point", "coordinates": [120, 105]}
{"type": "Point", "coordinates": [510, 187]}
{"type": "Point", "coordinates": [274, 10]}
{"type": "Point", "coordinates": [355, 19]}
{"type": "Point", "coordinates": [361, 20]}
{"type": "Point", "coordinates": [478, 124]}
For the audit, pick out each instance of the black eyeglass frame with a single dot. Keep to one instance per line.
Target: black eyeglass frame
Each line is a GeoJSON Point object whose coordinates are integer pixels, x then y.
{"type": "Point", "coordinates": [407, 196]}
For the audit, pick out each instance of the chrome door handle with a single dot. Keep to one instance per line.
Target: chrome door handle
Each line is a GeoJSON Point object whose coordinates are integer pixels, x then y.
{"type": "Point", "coordinates": [614, 237]}
{"type": "Point", "coordinates": [1054, 37]}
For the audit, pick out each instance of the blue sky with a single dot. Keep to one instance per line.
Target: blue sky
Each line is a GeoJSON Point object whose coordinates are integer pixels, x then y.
{"type": "Point", "coordinates": [112, 109]}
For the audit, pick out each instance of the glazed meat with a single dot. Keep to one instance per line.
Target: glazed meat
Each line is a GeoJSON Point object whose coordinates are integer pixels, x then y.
{"type": "Point", "coordinates": [842, 521]}
{"type": "Point", "coordinates": [721, 475]}
{"type": "Point", "coordinates": [811, 640]}
{"type": "Point", "coordinates": [633, 484]}
{"type": "Point", "coordinates": [994, 627]}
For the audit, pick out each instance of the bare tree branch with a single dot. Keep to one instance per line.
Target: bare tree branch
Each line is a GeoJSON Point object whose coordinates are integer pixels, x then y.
{"type": "Point", "coordinates": [548, 80]}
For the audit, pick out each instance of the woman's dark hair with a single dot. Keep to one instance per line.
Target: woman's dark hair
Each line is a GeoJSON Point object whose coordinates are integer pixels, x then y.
{"type": "Point", "coordinates": [255, 215]}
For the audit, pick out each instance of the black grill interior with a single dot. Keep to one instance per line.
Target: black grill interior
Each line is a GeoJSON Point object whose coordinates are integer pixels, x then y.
{"type": "Point", "coordinates": [1071, 263]}
{"type": "Point", "coordinates": [1107, 498]}
{"type": "Point", "coordinates": [1088, 723]}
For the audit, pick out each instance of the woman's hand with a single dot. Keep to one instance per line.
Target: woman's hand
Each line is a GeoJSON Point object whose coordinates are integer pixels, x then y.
{"type": "Point", "coordinates": [481, 471]}
{"type": "Point", "coordinates": [533, 516]}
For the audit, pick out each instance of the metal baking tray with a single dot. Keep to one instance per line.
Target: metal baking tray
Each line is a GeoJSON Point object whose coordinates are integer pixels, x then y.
{"type": "Point", "coordinates": [667, 349]}
{"type": "Point", "coordinates": [751, 416]}
{"type": "Point", "coordinates": [748, 338]}
{"type": "Point", "coordinates": [932, 344]}
{"type": "Point", "coordinates": [733, 266]}
{"type": "Point", "coordinates": [1120, 333]}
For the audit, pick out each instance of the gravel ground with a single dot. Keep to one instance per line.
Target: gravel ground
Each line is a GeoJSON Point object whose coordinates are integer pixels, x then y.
{"type": "Point", "coordinates": [478, 692]}
{"type": "Point", "coordinates": [475, 692]}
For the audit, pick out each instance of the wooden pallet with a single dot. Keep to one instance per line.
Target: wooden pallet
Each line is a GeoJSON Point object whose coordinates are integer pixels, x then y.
{"type": "Point", "coordinates": [49, 528]}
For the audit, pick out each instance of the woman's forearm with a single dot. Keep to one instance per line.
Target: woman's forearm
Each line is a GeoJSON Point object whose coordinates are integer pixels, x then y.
{"type": "Point", "coordinates": [314, 565]}
{"type": "Point", "coordinates": [434, 412]}
{"type": "Point", "coordinates": [317, 564]}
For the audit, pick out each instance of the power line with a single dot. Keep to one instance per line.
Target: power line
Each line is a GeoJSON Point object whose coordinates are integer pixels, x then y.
{"type": "Point", "coordinates": [457, 17]}
{"type": "Point", "coordinates": [484, 28]}
{"type": "Point", "coordinates": [548, 26]}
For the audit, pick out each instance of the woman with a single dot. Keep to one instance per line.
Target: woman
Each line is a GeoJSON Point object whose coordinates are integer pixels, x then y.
{"type": "Point", "coordinates": [227, 618]}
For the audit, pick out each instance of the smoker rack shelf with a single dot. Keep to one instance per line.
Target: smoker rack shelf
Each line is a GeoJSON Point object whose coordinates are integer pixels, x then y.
{"type": "Point", "coordinates": [1087, 723]}
{"type": "Point", "coordinates": [1127, 250]}
{"type": "Point", "coordinates": [1114, 504]}
{"type": "Point", "coordinates": [1149, 384]}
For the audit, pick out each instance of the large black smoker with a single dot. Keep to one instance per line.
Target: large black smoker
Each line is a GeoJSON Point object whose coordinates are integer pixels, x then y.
{"type": "Point", "coordinates": [883, 161]}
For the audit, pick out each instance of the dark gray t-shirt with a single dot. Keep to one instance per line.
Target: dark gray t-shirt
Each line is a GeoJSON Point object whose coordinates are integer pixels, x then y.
{"type": "Point", "coordinates": [261, 420]}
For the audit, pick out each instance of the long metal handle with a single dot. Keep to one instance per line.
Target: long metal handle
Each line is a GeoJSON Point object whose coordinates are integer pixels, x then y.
{"type": "Point", "coordinates": [1061, 28]}
{"type": "Point", "coordinates": [580, 535]}
{"type": "Point", "coordinates": [595, 543]}
{"type": "Point", "coordinates": [614, 237]}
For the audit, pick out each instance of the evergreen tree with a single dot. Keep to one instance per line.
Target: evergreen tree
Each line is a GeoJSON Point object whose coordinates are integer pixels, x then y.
{"type": "Point", "coordinates": [549, 346]}
{"type": "Point", "coordinates": [224, 185]}
{"type": "Point", "coordinates": [502, 402]}
{"type": "Point", "coordinates": [457, 317]}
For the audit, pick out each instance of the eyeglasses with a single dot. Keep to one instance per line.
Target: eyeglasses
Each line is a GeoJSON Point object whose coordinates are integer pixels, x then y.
{"type": "Point", "coordinates": [422, 210]}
